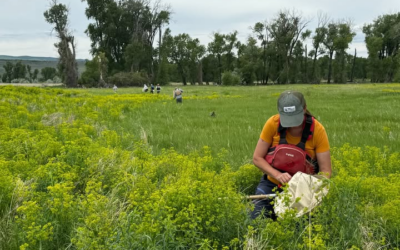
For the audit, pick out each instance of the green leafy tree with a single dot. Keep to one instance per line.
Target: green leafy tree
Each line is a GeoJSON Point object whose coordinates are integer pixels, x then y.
{"type": "Point", "coordinates": [186, 53]}
{"type": "Point", "coordinates": [128, 45]}
{"type": "Point", "coordinates": [330, 45]}
{"type": "Point", "coordinates": [262, 34]}
{"type": "Point", "coordinates": [35, 74]}
{"type": "Point", "coordinates": [197, 52]}
{"type": "Point", "coordinates": [8, 75]}
{"type": "Point", "coordinates": [383, 42]}
{"type": "Point", "coordinates": [19, 70]}
{"type": "Point", "coordinates": [96, 72]}
{"type": "Point", "coordinates": [231, 42]}
{"type": "Point", "coordinates": [317, 42]}
{"type": "Point", "coordinates": [285, 30]}
{"type": "Point", "coordinates": [216, 48]}
{"type": "Point", "coordinates": [344, 37]}
{"type": "Point", "coordinates": [249, 61]}
{"type": "Point", "coordinates": [30, 73]}
{"type": "Point", "coordinates": [48, 73]}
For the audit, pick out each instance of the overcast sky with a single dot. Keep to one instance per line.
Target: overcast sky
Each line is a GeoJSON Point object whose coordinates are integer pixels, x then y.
{"type": "Point", "coordinates": [24, 31]}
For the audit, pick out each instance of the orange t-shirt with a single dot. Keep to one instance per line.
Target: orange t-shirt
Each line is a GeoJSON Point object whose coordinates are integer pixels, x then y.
{"type": "Point", "coordinates": [317, 144]}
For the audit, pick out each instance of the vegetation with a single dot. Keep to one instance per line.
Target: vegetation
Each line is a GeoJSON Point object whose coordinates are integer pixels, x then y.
{"type": "Point", "coordinates": [58, 16]}
{"type": "Point", "coordinates": [32, 70]}
{"type": "Point", "coordinates": [91, 169]}
{"type": "Point", "coordinates": [276, 52]}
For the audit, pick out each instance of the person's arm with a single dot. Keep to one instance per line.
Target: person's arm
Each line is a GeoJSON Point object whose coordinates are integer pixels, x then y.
{"type": "Point", "coordinates": [259, 160]}
{"type": "Point", "coordinates": [324, 162]}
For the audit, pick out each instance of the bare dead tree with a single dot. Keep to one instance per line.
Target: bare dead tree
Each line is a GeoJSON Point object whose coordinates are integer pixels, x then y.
{"type": "Point", "coordinates": [58, 16]}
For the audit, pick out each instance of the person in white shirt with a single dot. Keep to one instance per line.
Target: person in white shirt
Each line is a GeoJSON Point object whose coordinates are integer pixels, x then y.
{"type": "Point", "coordinates": [178, 95]}
{"type": "Point", "coordinates": [145, 88]}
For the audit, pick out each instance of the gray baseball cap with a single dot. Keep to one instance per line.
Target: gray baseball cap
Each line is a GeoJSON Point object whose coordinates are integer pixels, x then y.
{"type": "Point", "coordinates": [291, 106]}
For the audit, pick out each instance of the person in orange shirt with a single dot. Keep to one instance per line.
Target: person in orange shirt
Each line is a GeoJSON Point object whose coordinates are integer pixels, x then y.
{"type": "Point", "coordinates": [292, 116]}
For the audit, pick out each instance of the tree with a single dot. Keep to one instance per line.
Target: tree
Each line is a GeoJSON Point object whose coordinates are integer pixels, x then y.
{"type": "Point", "coordinates": [317, 40]}
{"type": "Point", "coordinates": [231, 42]}
{"type": "Point", "coordinates": [329, 43]}
{"type": "Point", "coordinates": [19, 70]}
{"type": "Point", "coordinates": [58, 16]}
{"type": "Point", "coordinates": [30, 73]}
{"type": "Point", "coordinates": [177, 47]}
{"type": "Point", "coordinates": [128, 45]}
{"type": "Point", "coordinates": [344, 37]}
{"type": "Point", "coordinates": [249, 60]}
{"type": "Point", "coordinates": [285, 31]}
{"type": "Point", "coordinates": [96, 71]}
{"type": "Point", "coordinates": [216, 47]}
{"type": "Point", "coordinates": [261, 31]}
{"type": "Point", "coordinates": [197, 52]}
{"type": "Point", "coordinates": [48, 73]}
{"type": "Point", "coordinates": [8, 74]}
{"type": "Point", "coordinates": [383, 41]}
{"type": "Point", "coordinates": [35, 74]}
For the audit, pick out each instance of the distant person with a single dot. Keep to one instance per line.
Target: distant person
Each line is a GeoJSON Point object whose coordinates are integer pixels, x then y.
{"type": "Point", "coordinates": [115, 88]}
{"type": "Point", "coordinates": [158, 88]}
{"type": "Point", "coordinates": [145, 88]}
{"type": "Point", "coordinates": [152, 89]}
{"type": "Point", "coordinates": [178, 95]}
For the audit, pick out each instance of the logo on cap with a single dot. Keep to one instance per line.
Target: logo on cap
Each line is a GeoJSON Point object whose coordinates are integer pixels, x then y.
{"type": "Point", "coordinates": [289, 109]}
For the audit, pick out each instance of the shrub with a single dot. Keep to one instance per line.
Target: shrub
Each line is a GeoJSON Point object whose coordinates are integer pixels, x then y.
{"type": "Point", "coordinates": [230, 78]}
{"type": "Point", "coordinates": [20, 80]}
{"type": "Point", "coordinates": [129, 79]}
{"type": "Point", "coordinates": [57, 79]}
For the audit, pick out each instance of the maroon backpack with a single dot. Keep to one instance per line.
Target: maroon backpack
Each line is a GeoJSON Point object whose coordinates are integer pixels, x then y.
{"type": "Point", "coordinates": [293, 158]}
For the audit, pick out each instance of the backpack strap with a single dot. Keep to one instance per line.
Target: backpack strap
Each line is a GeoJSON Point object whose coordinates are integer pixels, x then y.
{"type": "Point", "coordinates": [306, 132]}
{"type": "Point", "coordinates": [282, 133]}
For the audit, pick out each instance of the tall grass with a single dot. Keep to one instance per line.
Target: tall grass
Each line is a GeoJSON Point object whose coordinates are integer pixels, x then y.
{"type": "Point", "coordinates": [94, 169]}
{"type": "Point", "coordinates": [363, 115]}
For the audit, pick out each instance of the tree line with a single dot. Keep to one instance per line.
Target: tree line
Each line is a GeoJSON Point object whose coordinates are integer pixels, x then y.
{"type": "Point", "coordinates": [132, 44]}
{"type": "Point", "coordinates": [21, 73]}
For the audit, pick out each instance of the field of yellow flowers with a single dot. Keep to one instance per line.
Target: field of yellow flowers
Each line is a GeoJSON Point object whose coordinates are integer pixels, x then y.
{"type": "Point", "coordinates": [93, 169]}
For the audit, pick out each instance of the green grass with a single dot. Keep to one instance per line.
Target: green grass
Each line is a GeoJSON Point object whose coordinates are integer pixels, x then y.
{"type": "Point", "coordinates": [87, 169]}
{"type": "Point", "coordinates": [362, 115]}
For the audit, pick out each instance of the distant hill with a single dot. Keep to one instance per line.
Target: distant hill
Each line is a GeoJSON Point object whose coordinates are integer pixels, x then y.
{"type": "Point", "coordinates": [32, 58]}
{"type": "Point", "coordinates": [37, 62]}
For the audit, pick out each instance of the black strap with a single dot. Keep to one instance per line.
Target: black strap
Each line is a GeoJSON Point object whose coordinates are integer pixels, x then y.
{"type": "Point", "coordinates": [304, 136]}
{"type": "Point", "coordinates": [306, 133]}
{"type": "Point", "coordinates": [282, 132]}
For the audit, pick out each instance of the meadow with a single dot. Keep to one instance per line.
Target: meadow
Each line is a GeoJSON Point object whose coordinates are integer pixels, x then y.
{"type": "Point", "coordinates": [94, 169]}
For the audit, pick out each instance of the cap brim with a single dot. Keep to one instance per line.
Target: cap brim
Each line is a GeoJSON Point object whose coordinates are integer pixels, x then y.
{"type": "Point", "coordinates": [288, 121]}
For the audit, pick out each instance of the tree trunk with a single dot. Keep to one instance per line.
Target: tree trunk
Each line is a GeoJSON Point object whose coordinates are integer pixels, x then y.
{"type": "Point", "coordinates": [354, 66]}
{"type": "Point", "coordinates": [330, 66]}
{"type": "Point", "coordinates": [305, 65]}
{"type": "Point", "coordinates": [200, 73]}
{"type": "Point", "coordinates": [220, 69]}
{"type": "Point", "coordinates": [264, 66]}
{"type": "Point", "coordinates": [268, 70]}
{"type": "Point", "coordinates": [182, 74]}
{"type": "Point", "coordinates": [159, 45]}
{"type": "Point", "coordinates": [314, 78]}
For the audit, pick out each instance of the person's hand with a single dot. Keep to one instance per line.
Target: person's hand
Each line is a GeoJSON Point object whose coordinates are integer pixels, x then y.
{"type": "Point", "coordinates": [283, 177]}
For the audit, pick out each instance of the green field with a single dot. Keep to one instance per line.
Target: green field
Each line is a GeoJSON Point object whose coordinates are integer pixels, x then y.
{"type": "Point", "coordinates": [362, 115]}
{"type": "Point", "coordinates": [94, 169]}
